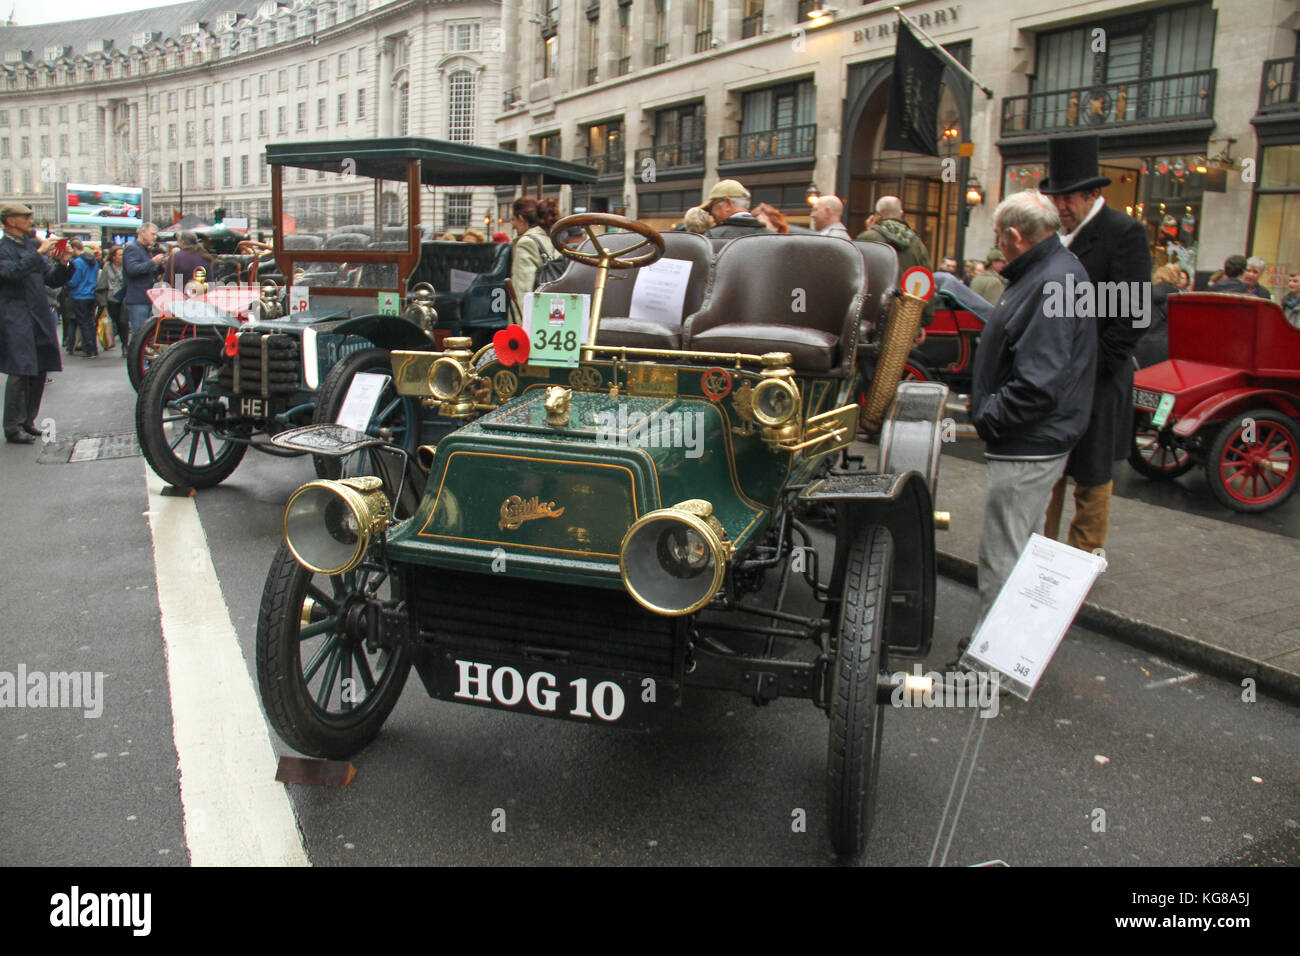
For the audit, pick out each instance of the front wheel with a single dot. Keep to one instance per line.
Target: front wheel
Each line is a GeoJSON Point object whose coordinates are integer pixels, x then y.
{"type": "Point", "coordinates": [180, 417]}
{"type": "Point", "coordinates": [325, 683]}
{"type": "Point", "coordinates": [1153, 454]}
{"type": "Point", "coordinates": [856, 719]}
{"type": "Point", "coordinates": [1253, 460]}
{"type": "Point", "coordinates": [141, 351]}
{"type": "Point", "coordinates": [396, 418]}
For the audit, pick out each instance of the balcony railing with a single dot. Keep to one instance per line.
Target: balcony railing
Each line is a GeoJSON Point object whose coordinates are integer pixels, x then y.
{"type": "Point", "coordinates": [508, 99]}
{"type": "Point", "coordinates": [703, 41]}
{"type": "Point", "coordinates": [591, 75]}
{"type": "Point", "coordinates": [806, 7]}
{"type": "Point", "coordinates": [671, 156]}
{"type": "Point", "coordinates": [624, 65]}
{"type": "Point", "coordinates": [609, 163]}
{"type": "Point", "coordinates": [751, 26]}
{"type": "Point", "coordinates": [1157, 99]}
{"type": "Point", "coordinates": [661, 53]}
{"type": "Point", "coordinates": [1279, 90]}
{"type": "Point", "coordinates": [792, 141]}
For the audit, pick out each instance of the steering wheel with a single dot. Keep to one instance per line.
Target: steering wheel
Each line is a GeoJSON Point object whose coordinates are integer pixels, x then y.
{"type": "Point", "coordinates": [603, 256]}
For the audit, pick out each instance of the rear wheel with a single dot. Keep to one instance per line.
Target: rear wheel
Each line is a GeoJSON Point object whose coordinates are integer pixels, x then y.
{"type": "Point", "coordinates": [396, 418]}
{"type": "Point", "coordinates": [1252, 464]}
{"type": "Point", "coordinates": [856, 719]}
{"type": "Point", "coordinates": [1154, 454]}
{"type": "Point", "coordinates": [180, 413]}
{"type": "Point", "coordinates": [140, 352]}
{"type": "Point", "coordinates": [326, 690]}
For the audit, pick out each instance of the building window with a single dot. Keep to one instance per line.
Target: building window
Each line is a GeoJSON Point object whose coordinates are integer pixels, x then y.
{"type": "Point", "coordinates": [703, 25]}
{"type": "Point", "coordinates": [225, 170]}
{"type": "Point", "coordinates": [282, 80]}
{"type": "Point", "coordinates": [263, 84]}
{"type": "Point", "coordinates": [243, 126]}
{"type": "Point", "coordinates": [225, 92]}
{"type": "Point", "coordinates": [661, 31]}
{"type": "Point", "coordinates": [63, 145]}
{"type": "Point", "coordinates": [548, 145]}
{"type": "Point", "coordinates": [403, 108]}
{"type": "Point", "coordinates": [460, 107]}
{"type": "Point", "coordinates": [207, 96]}
{"type": "Point", "coordinates": [777, 121]}
{"type": "Point", "coordinates": [43, 115]}
{"type": "Point", "coordinates": [361, 104]}
{"type": "Point", "coordinates": [302, 115]}
{"type": "Point", "coordinates": [153, 137]}
{"type": "Point", "coordinates": [245, 88]}
{"type": "Point", "coordinates": [593, 47]}
{"type": "Point", "coordinates": [24, 148]}
{"type": "Point", "coordinates": [1277, 203]}
{"type": "Point", "coordinates": [322, 71]}
{"type": "Point", "coordinates": [190, 133]}
{"type": "Point", "coordinates": [548, 42]}
{"type": "Point", "coordinates": [341, 112]}
{"type": "Point", "coordinates": [459, 210]}
{"type": "Point", "coordinates": [207, 132]}
{"type": "Point", "coordinates": [302, 74]}
{"type": "Point", "coordinates": [282, 119]}
{"type": "Point", "coordinates": [4, 147]}
{"type": "Point", "coordinates": [263, 124]}
{"type": "Point", "coordinates": [171, 175]}
{"type": "Point", "coordinates": [361, 59]}
{"type": "Point", "coordinates": [207, 174]}
{"type": "Point", "coordinates": [320, 111]}
{"type": "Point", "coordinates": [225, 129]}
{"type": "Point", "coordinates": [243, 170]}
{"type": "Point", "coordinates": [624, 40]}
{"type": "Point", "coordinates": [171, 134]}
{"type": "Point", "coordinates": [343, 65]}
{"type": "Point", "coordinates": [189, 99]}
{"type": "Point", "coordinates": [605, 147]}
{"type": "Point", "coordinates": [462, 37]}
{"type": "Point", "coordinates": [752, 23]}
{"type": "Point", "coordinates": [189, 173]}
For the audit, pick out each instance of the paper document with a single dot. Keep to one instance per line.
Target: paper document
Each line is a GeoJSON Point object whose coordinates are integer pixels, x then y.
{"type": "Point", "coordinates": [660, 290]}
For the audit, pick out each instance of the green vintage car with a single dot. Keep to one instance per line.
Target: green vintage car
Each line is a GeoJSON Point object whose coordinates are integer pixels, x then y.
{"type": "Point", "coordinates": [597, 540]}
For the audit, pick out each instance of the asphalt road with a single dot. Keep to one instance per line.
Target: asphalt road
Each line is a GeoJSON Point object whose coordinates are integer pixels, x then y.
{"type": "Point", "coordinates": [1119, 758]}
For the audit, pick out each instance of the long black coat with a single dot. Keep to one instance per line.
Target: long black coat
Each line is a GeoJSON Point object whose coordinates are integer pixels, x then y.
{"type": "Point", "coordinates": [1113, 248]}
{"type": "Point", "coordinates": [29, 336]}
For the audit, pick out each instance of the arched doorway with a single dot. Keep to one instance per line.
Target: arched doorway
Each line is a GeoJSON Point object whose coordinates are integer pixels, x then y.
{"type": "Point", "coordinates": [933, 204]}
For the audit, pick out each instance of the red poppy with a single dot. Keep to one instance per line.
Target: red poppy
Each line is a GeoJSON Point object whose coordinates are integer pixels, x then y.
{"type": "Point", "coordinates": [232, 344]}
{"type": "Point", "coordinates": [511, 344]}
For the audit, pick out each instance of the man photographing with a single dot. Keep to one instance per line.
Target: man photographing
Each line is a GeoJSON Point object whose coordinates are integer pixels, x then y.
{"type": "Point", "coordinates": [29, 338]}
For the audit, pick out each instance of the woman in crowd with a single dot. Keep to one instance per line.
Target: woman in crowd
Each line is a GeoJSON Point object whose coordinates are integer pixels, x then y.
{"type": "Point", "coordinates": [771, 218]}
{"type": "Point", "coordinates": [473, 235]}
{"type": "Point", "coordinates": [108, 293]}
{"type": "Point", "coordinates": [532, 221]}
{"type": "Point", "coordinates": [1154, 347]}
{"type": "Point", "coordinates": [697, 221]}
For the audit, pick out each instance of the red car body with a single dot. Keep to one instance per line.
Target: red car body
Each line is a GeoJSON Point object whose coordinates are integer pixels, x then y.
{"type": "Point", "coordinates": [1233, 375]}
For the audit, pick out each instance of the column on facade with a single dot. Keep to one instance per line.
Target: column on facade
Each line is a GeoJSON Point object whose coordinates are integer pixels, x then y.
{"type": "Point", "coordinates": [384, 82]}
{"type": "Point", "coordinates": [106, 151]}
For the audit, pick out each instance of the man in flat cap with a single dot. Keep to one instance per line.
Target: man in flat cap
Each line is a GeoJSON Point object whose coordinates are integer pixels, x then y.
{"type": "Point", "coordinates": [728, 204]}
{"type": "Point", "coordinates": [1113, 248]}
{"type": "Point", "coordinates": [29, 337]}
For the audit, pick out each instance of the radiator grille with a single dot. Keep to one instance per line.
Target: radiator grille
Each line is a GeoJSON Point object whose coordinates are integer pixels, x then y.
{"type": "Point", "coordinates": [266, 365]}
{"type": "Point", "coordinates": [596, 626]}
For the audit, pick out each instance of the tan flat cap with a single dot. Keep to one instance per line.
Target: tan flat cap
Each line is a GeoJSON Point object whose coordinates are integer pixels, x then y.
{"type": "Point", "coordinates": [14, 209]}
{"type": "Point", "coordinates": [728, 189]}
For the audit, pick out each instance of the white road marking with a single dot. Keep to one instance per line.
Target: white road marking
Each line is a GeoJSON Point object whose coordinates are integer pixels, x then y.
{"type": "Point", "coordinates": [1180, 679]}
{"type": "Point", "coordinates": [236, 814]}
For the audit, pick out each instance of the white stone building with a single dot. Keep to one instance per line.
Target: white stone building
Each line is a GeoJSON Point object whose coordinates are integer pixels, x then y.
{"type": "Point", "coordinates": [185, 98]}
{"type": "Point", "coordinates": [667, 96]}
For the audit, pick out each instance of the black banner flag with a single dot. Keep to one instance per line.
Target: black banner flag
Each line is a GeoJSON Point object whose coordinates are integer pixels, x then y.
{"type": "Point", "coordinates": [913, 118]}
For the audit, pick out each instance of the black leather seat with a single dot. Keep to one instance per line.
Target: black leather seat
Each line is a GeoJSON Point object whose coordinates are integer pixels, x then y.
{"type": "Point", "coordinates": [882, 282]}
{"type": "Point", "coordinates": [616, 326]}
{"type": "Point", "coordinates": [799, 294]}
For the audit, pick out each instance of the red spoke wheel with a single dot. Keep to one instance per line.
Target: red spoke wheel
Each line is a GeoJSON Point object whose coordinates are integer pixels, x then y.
{"type": "Point", "coordinates": [1154, 454]}
{"type": "Point", "coordinates": [1253, 462]}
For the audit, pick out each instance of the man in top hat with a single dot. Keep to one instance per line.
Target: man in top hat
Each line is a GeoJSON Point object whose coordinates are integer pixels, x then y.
{"type": "Point", "coordinates": [728, 204]}
{"type": "Point", "coordinates": [29, 338]}
{"type": "Point", "coordinates": [1113, 248]}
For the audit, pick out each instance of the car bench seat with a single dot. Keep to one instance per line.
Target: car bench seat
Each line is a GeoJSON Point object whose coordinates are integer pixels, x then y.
{"type": "Point", "coordinates": [616, 327]}
{"type": "Point", "coordinates": [805, 295]}
{"type": "Point", "coordinates": [882, 282]}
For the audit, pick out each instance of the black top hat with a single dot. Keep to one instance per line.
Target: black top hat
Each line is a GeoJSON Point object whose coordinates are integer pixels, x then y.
{"type": "Point", "coordinates": [1072, 166]}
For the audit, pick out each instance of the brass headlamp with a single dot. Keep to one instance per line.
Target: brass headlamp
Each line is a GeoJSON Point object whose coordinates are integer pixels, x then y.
{"type": "Point", "coordinates": [269, 303]}
{"type": "Point", "coordinates": [673, 560]}
{"type": "Point", "coordinates": [775, 402]}
{"type": "Point", "coordinates": [419, 307]}
{"type": "Point", "coordinates": [330, 525]}
{"type": "Point", "coordinates": [449, 377]}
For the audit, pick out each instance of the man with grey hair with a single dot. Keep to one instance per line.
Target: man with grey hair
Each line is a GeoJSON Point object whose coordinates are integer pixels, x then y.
{"type": "Point", "coordinates": [1255, 267]}
{"type": "Point", "coordinates": [826, 213]}
{"type": "Point", "coordinates": [1032, 384]}
{"type": "Point", "coordinates": [141, 267]}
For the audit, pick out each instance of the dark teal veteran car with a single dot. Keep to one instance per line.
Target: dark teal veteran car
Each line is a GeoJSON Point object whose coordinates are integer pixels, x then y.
{"type": "Point", "coordinates": [672, 507]}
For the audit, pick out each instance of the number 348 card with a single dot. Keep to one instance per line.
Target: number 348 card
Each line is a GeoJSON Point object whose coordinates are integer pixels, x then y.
{"type": "Point", "coordinates": [557, 325]}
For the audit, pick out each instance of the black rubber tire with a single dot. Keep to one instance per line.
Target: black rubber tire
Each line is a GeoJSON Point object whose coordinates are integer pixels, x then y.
{"type": "Point", "coordinates": [1143, 466]}
{"type": "Point", "coordinates": [329, 400]}
{"type": "Point", "coordinates": [136, 363]}
{"type": "Point", "coordinates": [286, 691]}
{"type": "Point", "coordinates": [1289, 434]}
{"type": "Point", "coordinates": [917, 370]}
{"type": "Point", "coordinates": [853, 757]}
{"type": "Point", "coordinates": [156, 390]}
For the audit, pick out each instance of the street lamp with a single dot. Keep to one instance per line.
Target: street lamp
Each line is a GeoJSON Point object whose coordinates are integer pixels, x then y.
{"type": "Point", "coordinates": [812, 194]}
